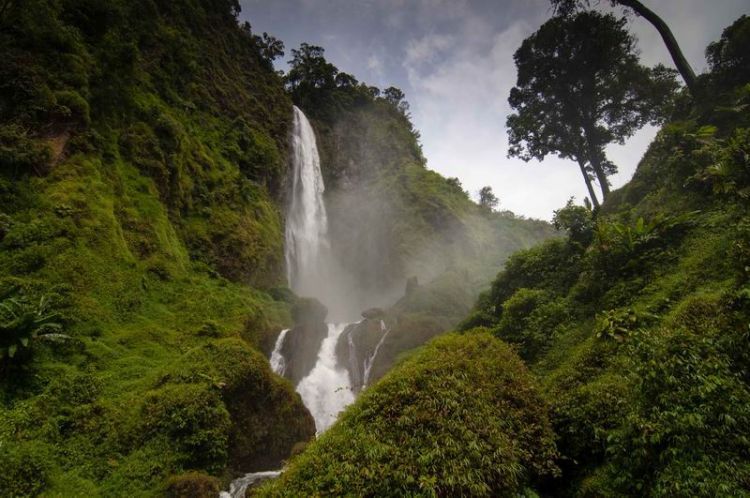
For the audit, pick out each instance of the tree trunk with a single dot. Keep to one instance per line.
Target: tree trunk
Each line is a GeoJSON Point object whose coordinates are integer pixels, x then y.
{"type": "Point", "coordinates": [601, 176]}
{"type": "Point", "coordinates": [683, 66]}
{"type": "Point", "coordinates": [595, 156]}
{"type": "Point", "coordinates": [592, 194]}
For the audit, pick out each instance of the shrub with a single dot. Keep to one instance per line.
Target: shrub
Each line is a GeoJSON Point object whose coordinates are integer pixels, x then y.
{"type": "Point", "coordinates": [23, 321]}
{"type": "Point", "coordinates": [72, 107]}
{"type": "Point", "coordinates": [460, 417]}
{"type": "Point", "coordinates": [193, 485]}
{"type": "Point", "coordinates": [25, 468]}
{"type": "Point", "coordinates": [522, 322]}
{"type": "Point", "coordinates": [194, 419]}
{"type": "Point", "coordinates": [21, 154]}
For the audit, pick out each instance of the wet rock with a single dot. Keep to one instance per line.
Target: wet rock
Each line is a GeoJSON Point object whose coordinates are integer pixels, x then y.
{"type": "Point", "coordinates": [374, 314]}
{"type": "Point", "coordinates": [302, 343]}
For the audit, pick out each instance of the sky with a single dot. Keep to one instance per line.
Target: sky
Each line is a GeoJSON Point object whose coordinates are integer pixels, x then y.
{"type": "Point", "coordinates": [454, 61]}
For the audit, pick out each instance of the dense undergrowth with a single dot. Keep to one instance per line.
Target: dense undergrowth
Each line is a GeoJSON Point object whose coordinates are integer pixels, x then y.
{"type": "Point", "coordinates": [142, 149]}
{"type": "Point", "coordinates": [637, 324]}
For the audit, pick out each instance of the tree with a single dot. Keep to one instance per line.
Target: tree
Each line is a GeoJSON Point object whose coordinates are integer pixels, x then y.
{"type": "Point", "coordinates": [578, 221]}
{"type": "Point", "coordinates": [574, 97]}
{"type": "Point", "coordinates": [310, 69]}
{"type": "Point", "coordinates": [487, 199]}
{"type": "Point", "coordinates": [567, 7]}
{"type": "Point", "coordinates": [395, 97]}
{"type": "Point", "coordinates": [729, 57]}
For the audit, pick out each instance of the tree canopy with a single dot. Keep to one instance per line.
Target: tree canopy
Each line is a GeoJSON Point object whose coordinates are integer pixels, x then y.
{"type": "Point", "coordinates": [567, 7]}
{"type": "Point", "coordinates": [574, 97]}
{"type": "Point", "coordinates": [487, 198]}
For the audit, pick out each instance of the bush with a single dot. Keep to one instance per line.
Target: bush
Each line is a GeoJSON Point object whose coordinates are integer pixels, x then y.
{"type": "Point", "coordinates": [193, 485]}
{"type": "Point", "coordinates": [73, 108]}
{"type": "Point", "coordinates": [522, 322]}
{"type": "Point", "coordinates": [460, 417]}
{"type": "Point", "coordinates": [21, 154]}
{"type": "Point", "coordinates": [23, 321]}
{"type": "Point", "coordinates": [193, 417]}
{"type": "Point", "coordinates": [25, 468]}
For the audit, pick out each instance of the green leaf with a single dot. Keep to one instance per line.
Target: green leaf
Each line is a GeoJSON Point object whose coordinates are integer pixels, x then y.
{"type": "Point", "coordinates": [12, 350]}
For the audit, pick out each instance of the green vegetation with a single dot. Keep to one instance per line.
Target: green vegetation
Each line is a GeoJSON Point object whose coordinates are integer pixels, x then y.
{"type": "Point", "coordinates": [574, 97]}
{"type": "Point", "coordinates": [142, 148]}
{"type": "Point", "coordinates": [460, 417]}
{"type": "Point", "coordinates": [637, 324]}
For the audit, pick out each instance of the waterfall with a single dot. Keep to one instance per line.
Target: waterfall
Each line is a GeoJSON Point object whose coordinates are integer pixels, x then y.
{"type": "Point", "coordinates": [238, 487]}
{"type": "Point", "coordinates": [310, 272]}
{"type": "Point", "coordinates": [306, 220]}
{"type": "Point", "coordinates": [277, 360]}
{"type": "Point", "coordinates": [326, 390]}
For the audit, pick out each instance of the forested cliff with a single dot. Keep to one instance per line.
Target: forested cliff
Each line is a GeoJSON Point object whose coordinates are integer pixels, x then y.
{"type": "Point", "coordinates": [143, 180]}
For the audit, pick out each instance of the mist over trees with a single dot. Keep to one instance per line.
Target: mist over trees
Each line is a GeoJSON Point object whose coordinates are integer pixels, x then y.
{"type": "Point", "coordinates": [574, 97]}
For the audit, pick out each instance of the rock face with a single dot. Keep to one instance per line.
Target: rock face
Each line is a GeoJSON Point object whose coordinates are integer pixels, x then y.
{"type": "Point", "coordinates": [302, 343]}
{"type": "Point", "coordinates": [359, 345]}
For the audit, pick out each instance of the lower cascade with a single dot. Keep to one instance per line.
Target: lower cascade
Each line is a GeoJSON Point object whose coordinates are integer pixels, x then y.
{"type": "Point", "coordinates": [326, 390]}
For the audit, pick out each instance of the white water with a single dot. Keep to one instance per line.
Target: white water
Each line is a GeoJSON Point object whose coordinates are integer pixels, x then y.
{"type": "Point", "coordinates": [278, 362]}
{"type": "Point", "coordinates": [326, 390]}
{"type": "Point", "coordinates": [369, 361]}
{"type": "Point", "coordinates": [239, 486]}
{"type": "Point", "coordinates": [306, 232]}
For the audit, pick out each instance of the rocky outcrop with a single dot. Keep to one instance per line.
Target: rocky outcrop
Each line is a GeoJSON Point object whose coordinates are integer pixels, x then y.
{"type": "Point", "coordinates": [302, 343]}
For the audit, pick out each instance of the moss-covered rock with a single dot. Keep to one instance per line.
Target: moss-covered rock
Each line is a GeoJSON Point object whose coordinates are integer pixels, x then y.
{"type": "Point", "coordinates": [461, 416]}
{"type": "Point", "coordinates": [193, 485]}
{"type": "Point", "coordinates": [259, 417]}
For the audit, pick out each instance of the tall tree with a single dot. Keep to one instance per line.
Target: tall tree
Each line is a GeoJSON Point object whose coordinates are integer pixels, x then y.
{"type": "Point", "coordinates": [487, 199]}
{"type": "Point", "coordinates": [566, 7]}
{"type": "Point", "coordinates": [574, 97]}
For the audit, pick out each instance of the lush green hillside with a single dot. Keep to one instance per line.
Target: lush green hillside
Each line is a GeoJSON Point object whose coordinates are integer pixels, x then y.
{"type": "Point", "coordinates": [141, 146]}
{"type": "Point", "coordinates": [637, 324]}
{"type": "Point", "coordinates": [389, 216]}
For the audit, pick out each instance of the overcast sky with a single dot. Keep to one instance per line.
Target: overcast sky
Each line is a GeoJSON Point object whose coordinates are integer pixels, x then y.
{"type": "Point", "coordinates": [454, 61]}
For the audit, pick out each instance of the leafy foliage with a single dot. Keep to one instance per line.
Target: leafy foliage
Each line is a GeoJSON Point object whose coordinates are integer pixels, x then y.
{"type": "Point", "coordinates": [22, 322]}
{"type": "Point", "coordinates": [574, 97]}
{"type": "Point", "coordinates": [637, 324]}
{"type": "Point", "coordinates": [459, 417]}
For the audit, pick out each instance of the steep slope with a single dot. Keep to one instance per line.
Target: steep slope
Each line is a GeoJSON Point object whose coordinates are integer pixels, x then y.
{"type": "Point", "coordinates": [390, 217]}
{"type": "Point", "coordinates": [637, 325]}
{"type": "Point", "coordinates": [141, 146]}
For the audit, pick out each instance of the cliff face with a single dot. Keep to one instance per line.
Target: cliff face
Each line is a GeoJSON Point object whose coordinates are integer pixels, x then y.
{"type": "Point", "coordinates": [391, 218]}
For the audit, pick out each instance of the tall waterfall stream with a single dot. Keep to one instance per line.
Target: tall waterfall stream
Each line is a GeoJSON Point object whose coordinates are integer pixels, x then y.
{"type": "Point", "coordinates": [327, 389]}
